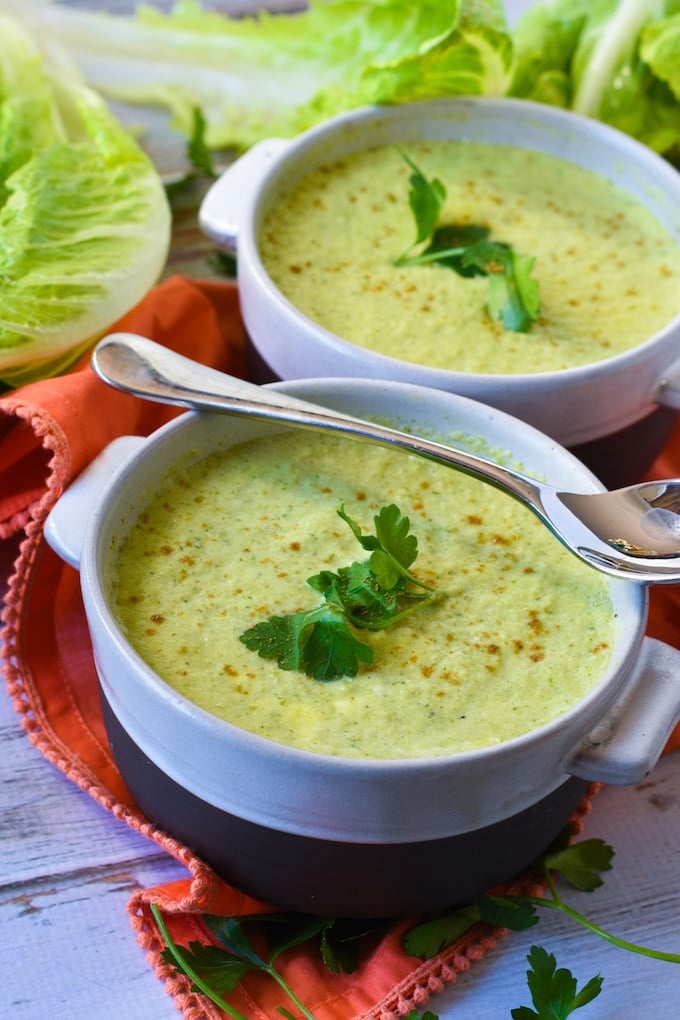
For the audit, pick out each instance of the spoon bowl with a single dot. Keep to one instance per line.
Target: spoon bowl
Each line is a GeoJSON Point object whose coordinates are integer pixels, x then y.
{"type": "Point", "coordinates": [631, 533]}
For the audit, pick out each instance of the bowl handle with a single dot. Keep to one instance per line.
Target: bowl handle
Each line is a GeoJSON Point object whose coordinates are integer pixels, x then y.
{"type": "Point", "coordinates": [627, 744]}
{"type": "Point", "coordinates": [667, 391]}
{"type": "Point", "coordinates": [223, 207]}
{"type": "Point", "coordinates": [67, 521]}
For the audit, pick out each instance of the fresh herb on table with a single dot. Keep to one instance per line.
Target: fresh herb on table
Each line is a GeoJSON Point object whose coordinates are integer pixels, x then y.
{"type": "Point", "coordinates": [579, 864]}
{"type": "Point", "coordinates": [553, 991]}
{"type": "Point", "coordinates": [372, 595]}
{"type": "Point", "coordinates": [198, 156]}
{"type": "Point", "coordinates": [224, 264]}
{"type": "Point", "coordinates": [216, 970]}
{"type": "Point", "coordinates": [468, 250]}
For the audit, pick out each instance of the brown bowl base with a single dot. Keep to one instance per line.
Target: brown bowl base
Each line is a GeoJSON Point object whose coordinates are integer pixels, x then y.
{"type": "Point", "coordinates": [341, 879]}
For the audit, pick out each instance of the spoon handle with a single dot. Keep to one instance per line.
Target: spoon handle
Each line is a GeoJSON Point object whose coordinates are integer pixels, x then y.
{"type": "Point", "coordinates": [146, 369]}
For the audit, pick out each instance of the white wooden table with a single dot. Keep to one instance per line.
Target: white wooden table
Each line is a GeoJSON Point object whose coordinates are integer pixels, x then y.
{"type": "Point", "coordinates": [67, 869]}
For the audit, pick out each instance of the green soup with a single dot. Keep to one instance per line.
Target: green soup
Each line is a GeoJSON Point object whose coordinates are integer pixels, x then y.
{"type": "Point", "coordinates": [608, 271]}
{"type": "Point", "coordinates": [523, 630]}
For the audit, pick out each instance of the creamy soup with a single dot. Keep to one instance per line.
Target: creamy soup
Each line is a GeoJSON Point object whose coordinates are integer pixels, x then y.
{"type": "Point", "coordinates": [608, 271]}
{"type": "Point", "coordinates": [522, 631]}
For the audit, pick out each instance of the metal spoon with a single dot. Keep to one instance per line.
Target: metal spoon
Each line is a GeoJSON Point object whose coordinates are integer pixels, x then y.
{"type": "Point", "coordinates": [632, 533]}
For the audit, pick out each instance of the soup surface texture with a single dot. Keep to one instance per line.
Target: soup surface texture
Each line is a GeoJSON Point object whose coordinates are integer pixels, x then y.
{"type": "Point", "coordinates": [608, 270]}
{"type": "Point", "coordinates": [522, 631]}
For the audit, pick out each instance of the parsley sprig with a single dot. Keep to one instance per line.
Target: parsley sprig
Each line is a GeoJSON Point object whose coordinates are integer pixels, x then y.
{"type": "Point", "coordinates": [580, 864]}
{"type": "Point", "coordinates": [373, 594]}
{"type": "Point", "coordinates": [216, 970]}
{"type": "Point", "coordinates": [468, 250]}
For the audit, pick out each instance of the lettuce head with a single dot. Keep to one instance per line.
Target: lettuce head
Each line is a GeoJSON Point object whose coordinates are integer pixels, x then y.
{"type": "Point", "coordinates": [277, 74]}
{"type": "Point", "coordinates": [84, 218]}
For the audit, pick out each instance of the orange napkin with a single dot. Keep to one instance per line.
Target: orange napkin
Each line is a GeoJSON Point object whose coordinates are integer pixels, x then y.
{"type": "Point", "coordinates": [49, 431]}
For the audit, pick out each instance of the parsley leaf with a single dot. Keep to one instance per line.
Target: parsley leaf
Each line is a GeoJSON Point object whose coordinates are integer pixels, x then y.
{"type": "Point", "coordinates": [282, 932]}
{"type": "Point", "coordinates": [452, 246]}
{"type": "Point", "coordinates": [513, 295]}
{"type": "Point", "coordinates": [332, 650]}
{"type": "Point", "coordinates": [507, 912]}
{"type": "Point", "coordinates": [393, 548]}
{"type": "Point", "coordinates": [198, 155]}
{"type": "Point", "coordinates": [430, 937]}
{"type": "Point", "coordinates": [316, 642]}
{"type": "Point", "coordinates": [426, 198]}
{"type": "Point", "coordinates": [341, 940]}
{"type": "Point", "coordinates": [371, 595]}
{"type": "Point", "coordinates": [581, 863]}
{"type": "Point", "coordinates": [197, 150]}
{"type": "Point", "coordinates": [355, 590]}
{"type": "Point", "coordinates": [222, 972]}
{"type": "Point", "coordinates": [553, 990]}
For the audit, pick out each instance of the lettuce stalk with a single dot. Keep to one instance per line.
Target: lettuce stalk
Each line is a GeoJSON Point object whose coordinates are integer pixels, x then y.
{"type": "Point", "coordinates": [84, 219]}
{"type": "Point", "coordinates": [276, 74]}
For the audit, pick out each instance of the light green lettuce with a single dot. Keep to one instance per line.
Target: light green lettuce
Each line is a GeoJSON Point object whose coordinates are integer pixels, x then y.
{"type": "Point", "coordinates": [277, 74]}
{"type": "Point", "coordinates": [615, 60]}
{"type": "Point", "coordinates": [84, 219]}
{"type": "Point", "coordinates": [660, 50]}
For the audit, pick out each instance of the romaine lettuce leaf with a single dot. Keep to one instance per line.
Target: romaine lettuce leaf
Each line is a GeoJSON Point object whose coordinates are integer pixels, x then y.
{"type": "Point", "coordinates": [84, 219]}
{"type": "Point", "coordinates": [277, 74]}
{"type": "Point", "coordinates": [660, 50]}
{"type": "Point", "coordinates": [615, 60]}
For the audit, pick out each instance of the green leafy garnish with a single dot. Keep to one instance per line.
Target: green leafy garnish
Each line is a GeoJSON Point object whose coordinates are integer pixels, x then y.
{"type": "Point", "coordinates": [199, 157]}
{"type": "Point", "coordinates": [580, 864]}
{"type": "Point", "coordinates": [553, 991]}
{"type": "Point", "coordinates": [467, 249]}
{"type": "Point", "coordinates": [370, 595]}
{"type": "Point", "coordinates": [430, 937]}
{"type": "Point", "coordinates": [454, 246]}
{"type": "Point", "coordinates": [216, 970]}
{"type": "Point", "coordinates": [224, 264]}
{"type": "Point", "coordinates": [317, 642]}
{"type": "Point", "coordinates": [211, 974]}
{"type": "Point", "coordinates": [426, 199]}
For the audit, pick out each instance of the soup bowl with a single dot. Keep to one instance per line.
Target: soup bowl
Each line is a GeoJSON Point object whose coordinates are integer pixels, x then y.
{"type": "Point", "coordinates": [614, 413]}
{"type": "Point", "coordinates": [330, 834]}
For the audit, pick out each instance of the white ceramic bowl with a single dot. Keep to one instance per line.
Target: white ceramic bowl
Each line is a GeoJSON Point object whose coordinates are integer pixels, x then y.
{"type": "Point", "coordinates": [614, 414]}
{"type": "Point", "coordinates": [337, 835]}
